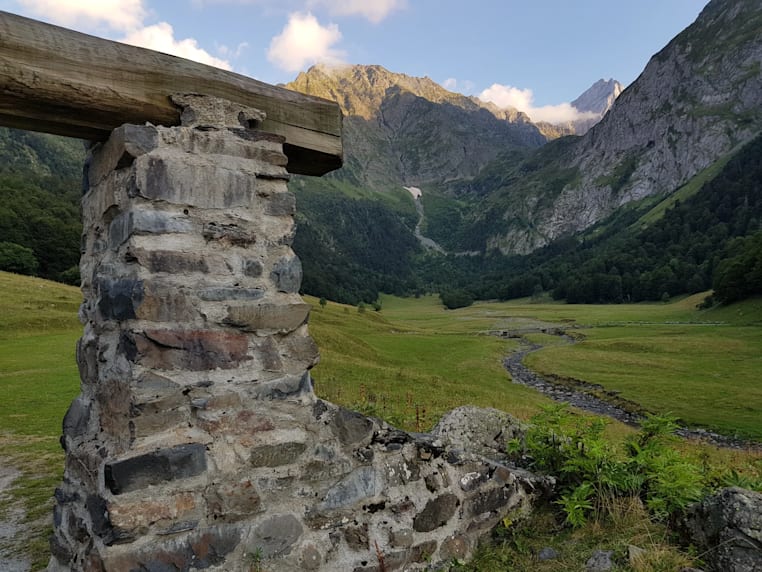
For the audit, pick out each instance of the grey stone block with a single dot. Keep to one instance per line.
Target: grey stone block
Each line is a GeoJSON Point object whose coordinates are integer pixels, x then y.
{"type": "Point", "coordinates": [139, 472]}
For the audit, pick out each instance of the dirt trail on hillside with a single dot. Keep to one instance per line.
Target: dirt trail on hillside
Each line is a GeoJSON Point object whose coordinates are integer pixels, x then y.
{"type": "Point", "coordinates": [11, 519]}
{"type": "Point", "coordinates": [584, 395]}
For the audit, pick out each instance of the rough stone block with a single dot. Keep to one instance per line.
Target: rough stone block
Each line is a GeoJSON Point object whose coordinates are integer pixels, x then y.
{"type": "Point", "coordinates": [164, 465]}
{"type": "Point", "coordinates": [194, 182]}
{"type": "Point", "coordinates": [166, 303]}
{"type": "Point", "coordinates": [280, 318]}
{"type": "Point", "coordinates": [200, 550]}
{"type": "Point", "coordinates": [229, 233]}
{"type": "Point", "coordinates": [113, 399]}
{"type": "Point", "coordinates": [268, 356]}
{"type": "Point", "coordinates": [299, 352]}
{"type": "Point", "coordinates": [311, 559]}
{"type": "Point", "coordinates": [401, 538]}
{"type": "Point", "coordinates": [276, 536]}
{"type": "Point", "coordinates": [118, 299]}
{"type": "Point", "coordinates": [120, 150]}
{"type": "Point", "coordinates": [727, 527]}
{"type": "Point", "coordinates": [286, 387]}
{"type": "Point", "coordinates": [136, 516]}
{"type": "Point", "coordinates": [222, 294]}
{"type": "Point", "coordinates": [153, 387]}
{"type": "Point", "coordinates": [253, 268]}
{"type": "Point", "coordinates": [351, 427]}
{"type": "Point", "coordinates": [77, 418]}
{"type": "Point", "coordinates": [281, 204]}
{"type": "Point", "coordinates": [240, 423]}
{"type": "Point", "coordinates": [360, 484]}
{"type": "Point", "coordinates": [193, 350]}
{"type": "Point", "coordinates": [173, 262]}
{"type": "Point", "coordinates": [287, 274]}
{"type": "Point", "coordinates": [144, 222]}
{"type": "Point", "coordinates": [277, 454]}
{"type": "Point", "coordinates": [204, 112]}
{"type": "Point", "coordinates": [455, 547]}
{"type": "Point", "coordinates": [492, 500]}
{"type": "Point", "coordinates": [151, 418]}
{"type": "Point", "coordinates": [436, 513]}
{"type": "Point", "coordinates": [232, 501]}
{"type": "Point", "coordinates": [356, 537]}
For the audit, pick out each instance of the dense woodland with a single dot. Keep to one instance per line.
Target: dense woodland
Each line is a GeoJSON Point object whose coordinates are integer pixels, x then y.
{"type": "Point", "coordinates": [696, 245]}
{"type": "Point", "coordinates": [711, 239]}
{"type": "Point", "coordinates": [40, 186]}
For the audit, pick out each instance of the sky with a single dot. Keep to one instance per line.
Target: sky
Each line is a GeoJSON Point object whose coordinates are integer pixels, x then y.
{"type": "Point", "coordinates": [534, 55]}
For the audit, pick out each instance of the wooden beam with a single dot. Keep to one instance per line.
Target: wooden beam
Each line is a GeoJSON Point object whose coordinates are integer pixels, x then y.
{"type": "Point", "coordinates": [60, 81]}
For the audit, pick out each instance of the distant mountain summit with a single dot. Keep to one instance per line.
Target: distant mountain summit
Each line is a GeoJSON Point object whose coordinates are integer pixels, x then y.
{"type": "Point", "coordinates": [596, 100]}
{"type": "Point", "coordinates": [599, 97]}
{"type": "Point", "coordinates": [402, 130]}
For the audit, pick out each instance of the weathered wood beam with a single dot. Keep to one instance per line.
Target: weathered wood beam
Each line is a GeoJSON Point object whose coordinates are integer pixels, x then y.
{"type": "Point", "coordinates": [60, 81]}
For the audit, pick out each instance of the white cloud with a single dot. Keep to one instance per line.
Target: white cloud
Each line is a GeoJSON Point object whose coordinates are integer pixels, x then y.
{"type": "Point", "coordinates": [120, 15]}
{"type": "Point", "coordinates": [304, 41]}
{"type": "Point", "coordinates": [461, 86]}
{"type": "Point", "coordinates": [128, 19]}
{"type": "Point", "coordinates": [373, 10]}
{"type": "Point", "coordinates": [161, 37]}
{"type": "Point", "coordinates": [523, 100]}
{"type": "Point", "coordinates": [228, 52]}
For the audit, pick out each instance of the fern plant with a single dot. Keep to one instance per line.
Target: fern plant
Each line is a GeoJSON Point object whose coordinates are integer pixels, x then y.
{"type": "Point", "coordinates": [591, 472]}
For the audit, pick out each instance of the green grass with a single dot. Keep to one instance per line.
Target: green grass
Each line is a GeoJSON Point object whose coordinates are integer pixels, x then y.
{"type": "Point", "coordinates": [407, 374]}
{"type": "Point", "coordinates": [38, 379]}
{"type": "Point", "coordinates": [703, 366]}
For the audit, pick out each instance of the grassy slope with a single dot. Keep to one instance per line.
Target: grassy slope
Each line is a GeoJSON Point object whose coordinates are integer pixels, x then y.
{"type": "Point", "coordinates": [408, 371]}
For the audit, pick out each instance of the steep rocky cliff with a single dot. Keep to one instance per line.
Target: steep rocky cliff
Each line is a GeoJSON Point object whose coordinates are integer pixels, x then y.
{"type": "Point", "coordinates": [697, 100]}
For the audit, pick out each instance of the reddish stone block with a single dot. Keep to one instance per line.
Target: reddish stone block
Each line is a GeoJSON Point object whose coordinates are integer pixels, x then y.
{"type": "Point", "coordinates": [231, 502]}
{"type": "Point", "coordinates": [193, 350]}
{"type": "Point", "coordinates": [138, 515]}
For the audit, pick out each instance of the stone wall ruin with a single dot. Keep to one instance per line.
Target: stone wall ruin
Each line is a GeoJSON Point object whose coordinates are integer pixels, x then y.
{"type": "Point", "coordinates": [197, 442]}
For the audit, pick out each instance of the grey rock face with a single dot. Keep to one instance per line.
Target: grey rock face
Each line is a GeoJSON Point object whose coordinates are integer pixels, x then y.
{"type": "Point", "coordinates": [728, 528]}
{"type": "Point", "coordinates": [697, 100]}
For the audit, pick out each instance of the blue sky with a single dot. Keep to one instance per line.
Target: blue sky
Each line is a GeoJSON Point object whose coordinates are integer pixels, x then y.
{"type": "Point", "coordinates": [540, 52]}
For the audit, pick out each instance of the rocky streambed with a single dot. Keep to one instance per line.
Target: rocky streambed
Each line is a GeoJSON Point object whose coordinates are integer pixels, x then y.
{"type": "Point", "coordinates": [593, 397]}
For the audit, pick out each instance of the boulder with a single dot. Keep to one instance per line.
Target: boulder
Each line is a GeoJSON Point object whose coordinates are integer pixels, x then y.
{"type": "Point", "coordinates": [727, 528]}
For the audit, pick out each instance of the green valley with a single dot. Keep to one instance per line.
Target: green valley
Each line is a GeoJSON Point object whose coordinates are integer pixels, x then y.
{"type": "Point", "coordinates": [408, 364]}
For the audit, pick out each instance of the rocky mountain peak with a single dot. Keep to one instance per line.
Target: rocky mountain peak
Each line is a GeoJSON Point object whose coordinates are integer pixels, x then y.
{"type": "Point", "coordinates": [403, 130]}
{"type": "Point", "coordinates": [599, 97]}
{"type": "Point", "coordinates": [360, 90]}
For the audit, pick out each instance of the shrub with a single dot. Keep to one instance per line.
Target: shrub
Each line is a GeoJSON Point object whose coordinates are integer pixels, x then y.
{"type": "Point", "coordinates": [592, 474]}
{"type": "Point", "coordinates": [17, 258]}
{"type": "Point", "coordinates": [456, 299]}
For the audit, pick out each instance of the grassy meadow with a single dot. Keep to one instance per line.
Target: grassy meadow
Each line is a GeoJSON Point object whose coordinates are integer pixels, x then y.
{"type": "Point", "coordinates": [408, 364]}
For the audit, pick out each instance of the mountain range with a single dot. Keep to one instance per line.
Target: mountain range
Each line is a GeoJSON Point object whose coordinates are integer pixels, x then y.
{"type": "Point", "coordinates": [440, 189]}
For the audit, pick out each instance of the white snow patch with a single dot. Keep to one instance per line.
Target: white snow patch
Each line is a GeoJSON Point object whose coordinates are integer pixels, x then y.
{"type": "Point", "coordinates": [415, 191]}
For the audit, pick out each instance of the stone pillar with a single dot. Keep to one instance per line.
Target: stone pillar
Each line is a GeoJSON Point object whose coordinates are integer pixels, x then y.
{"type": "Point", "coordinates": [197, 442]}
